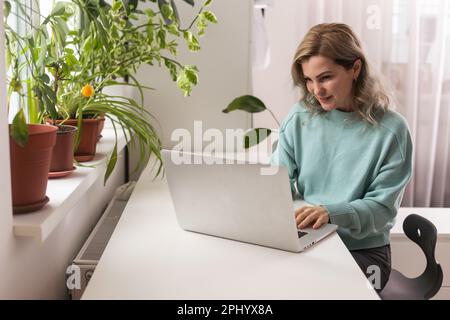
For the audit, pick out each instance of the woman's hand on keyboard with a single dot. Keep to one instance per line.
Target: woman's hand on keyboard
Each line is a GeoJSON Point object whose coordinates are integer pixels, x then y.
{"type": "Point", "coordinates": [315, 216]}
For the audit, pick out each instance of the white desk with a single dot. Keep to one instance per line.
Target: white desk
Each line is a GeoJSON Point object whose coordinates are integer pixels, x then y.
{"type": "Point", "coordinates": [150, 257]}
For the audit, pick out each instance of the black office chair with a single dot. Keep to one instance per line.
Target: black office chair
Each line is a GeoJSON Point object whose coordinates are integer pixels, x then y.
{"type": "Point", "coordinates": [424, 287]}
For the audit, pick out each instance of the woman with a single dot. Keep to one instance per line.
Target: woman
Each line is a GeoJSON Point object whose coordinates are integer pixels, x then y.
{"type": "Point", "coordinates": [346, 153]}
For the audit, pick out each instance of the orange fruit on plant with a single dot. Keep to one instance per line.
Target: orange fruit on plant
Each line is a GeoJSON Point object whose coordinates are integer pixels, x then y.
{"type": "Point", "coordinates": [87, 91]}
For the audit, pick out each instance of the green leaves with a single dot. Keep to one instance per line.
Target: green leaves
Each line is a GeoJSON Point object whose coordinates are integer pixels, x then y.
{"type": "Point", "coordinates": [255, 136]}
{"type": "Point", "coordinates": [111, 163]}
{"type": "Point", "coordinates": [45, 78]}
{"type": "Point", "coordinates": [201, 27]}
{"type": "Point", "coordinates": [132, 119]}
{"type": "Point", "coordinates": [251, 104]}
{"type": "Point", "coordinates": [60, 30]}
{"type": "Point", "coordinates": [34, 115]}
{"type": "Point", "coordinates": [71, 60]}
{"type": "Point", "coordinates": [211, 17]}
{"type": "Point", "coordinates": [42, 52]}
{"type": "Point", "coordinates": [246, 103]}
{"type": "Point", "coordinates": [130, 5]}
{"type": "Point", "coordinates": [19, 128]}
{"type": "Point", "coordinates": [102, 34]}
{"type": "Point", "coordinates": [62, 10]}
{"type": "Point", "coordinates": [162, 38]}
{"type": "Point", "coordinates": [150, 33]}
{"type": "Point", "coordinates": [6, 8]}
{"type": "Point", "coordinates": [172, 67]}
{"type": "Point", "coordinates": [15, 85]}
{"type": "Point", "coordinates": [167, 11]}
{"type": "Point", "coordinates": [58, 9]}
{"type": "Point", "coordinates": [187, 78]}
{"type": "Point", "coordinates": [191, 74]}
{"type": "Point", "coordinates": [47, 97]}
{"type": "Point", "coordinates": [172, 29]}
{"type": "Point", "coordinates": [203, 19]}
{"type": "Point", "coordinates": [175, 11]}
{"type": "Point", "coordinates": [191, 41]}
{"type": "Point", "coordinates": [150, 13]}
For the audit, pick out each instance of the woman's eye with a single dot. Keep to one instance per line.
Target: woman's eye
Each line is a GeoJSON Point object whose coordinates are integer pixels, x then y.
{"type": "Point", "coordinates": [325, 78]}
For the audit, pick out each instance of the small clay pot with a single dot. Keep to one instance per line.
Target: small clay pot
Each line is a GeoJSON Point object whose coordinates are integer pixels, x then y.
{"type": "Point", "coordinates": [62, 156]}
{"type": "Point", "coordinates": [87, 146]}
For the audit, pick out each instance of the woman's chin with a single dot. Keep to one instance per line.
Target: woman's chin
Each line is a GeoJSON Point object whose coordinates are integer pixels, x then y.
{"type": "Point", "coordinates": [328, 106]}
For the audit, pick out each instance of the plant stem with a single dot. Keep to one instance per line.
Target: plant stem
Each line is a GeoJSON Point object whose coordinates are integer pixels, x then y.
{"type": "Point", "coordinates": [136, 28]}
{"type": "Point", "coordinates": [173, 61]}
{"type": "Point", "coordinates": [193, 21]}
{"type": "Point", "coordinates": [273, 117]}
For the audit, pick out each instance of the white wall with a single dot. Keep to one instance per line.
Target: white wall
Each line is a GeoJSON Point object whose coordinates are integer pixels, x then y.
{"type": "Point", "coordinates": [30, 270]}
{"type": "Point", "coordinates": [37, 271]}
{"type": "Point", "coordinates": [284, 21]}
{"type": "Point", "coordinates": [223, 62]}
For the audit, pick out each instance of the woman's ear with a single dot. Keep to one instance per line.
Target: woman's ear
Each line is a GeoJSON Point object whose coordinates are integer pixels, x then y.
{"type": "Point", "coordinates": [356, 68]}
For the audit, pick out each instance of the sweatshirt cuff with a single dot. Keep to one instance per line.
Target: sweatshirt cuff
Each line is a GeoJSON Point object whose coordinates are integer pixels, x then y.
{"type": "Point", "coordinates": [341, 214]}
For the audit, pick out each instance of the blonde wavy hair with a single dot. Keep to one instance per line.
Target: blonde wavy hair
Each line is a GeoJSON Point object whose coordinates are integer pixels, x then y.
{"type": "Point", "coordinates": [337, 42]}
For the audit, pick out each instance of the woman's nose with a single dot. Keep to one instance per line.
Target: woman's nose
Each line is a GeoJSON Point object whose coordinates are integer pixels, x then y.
{"type": "Point", "coordinates": [318, 89]}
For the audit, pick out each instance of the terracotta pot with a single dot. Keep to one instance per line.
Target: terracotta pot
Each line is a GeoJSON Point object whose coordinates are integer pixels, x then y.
{"type": "Point", "coordinates": [101, 126]}
{"type": "Point", "coordinates": [88, 137]}
{"type": "Point", "coordinates": [62, 156]}
{"type": "Point", "coordinates": [29, 168]}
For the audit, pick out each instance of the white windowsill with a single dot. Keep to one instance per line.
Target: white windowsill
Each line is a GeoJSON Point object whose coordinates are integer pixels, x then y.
{"type": "Point", "coordinates": [65, 192]}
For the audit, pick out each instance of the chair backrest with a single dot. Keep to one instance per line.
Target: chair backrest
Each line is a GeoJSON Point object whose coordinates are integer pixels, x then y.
{"type": "Point", "coordinates": [424, 234]}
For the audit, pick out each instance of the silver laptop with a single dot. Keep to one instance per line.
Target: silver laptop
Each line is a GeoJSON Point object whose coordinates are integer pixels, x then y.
{"type": "Point", "coordinates": [236, 201]}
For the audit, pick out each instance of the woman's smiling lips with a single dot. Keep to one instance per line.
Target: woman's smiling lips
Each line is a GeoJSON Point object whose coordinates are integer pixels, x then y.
{"type": "Point", "coordinates": [325, 99]}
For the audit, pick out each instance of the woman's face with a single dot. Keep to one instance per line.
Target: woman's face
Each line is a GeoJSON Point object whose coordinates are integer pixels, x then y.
{"type": "Point", "coordinates": [330, 83]}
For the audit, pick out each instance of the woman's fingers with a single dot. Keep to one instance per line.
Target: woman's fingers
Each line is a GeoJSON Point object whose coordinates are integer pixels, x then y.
{"type": "Point", "coordinates": [300, 210]}
{"type": "Point", "coordinates": [302, 213]}
{"type": "Point", "coordinates": [308, 217]}
{"type": "Point", "coordinates": [305, 222]}
{"type": "Point", "coordinates": [315, 216]}
{"type": "Point", "coordinates": [320, 222]}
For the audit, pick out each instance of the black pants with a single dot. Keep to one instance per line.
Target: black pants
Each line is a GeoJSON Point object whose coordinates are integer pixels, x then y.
{"type": "Point", "coordinates": [375, 263]}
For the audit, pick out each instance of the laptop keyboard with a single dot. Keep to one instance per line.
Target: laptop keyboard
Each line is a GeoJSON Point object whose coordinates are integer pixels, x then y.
{"type": "Point", "coordinates": [301, 234]}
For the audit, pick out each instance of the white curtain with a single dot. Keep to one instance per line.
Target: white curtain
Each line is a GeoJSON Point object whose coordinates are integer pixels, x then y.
{"type": "Point", "coordinates": [408, 43]}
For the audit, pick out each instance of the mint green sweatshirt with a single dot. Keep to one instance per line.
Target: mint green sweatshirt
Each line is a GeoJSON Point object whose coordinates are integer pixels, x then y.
{"type": "Point", "coordinates": [357, 171]}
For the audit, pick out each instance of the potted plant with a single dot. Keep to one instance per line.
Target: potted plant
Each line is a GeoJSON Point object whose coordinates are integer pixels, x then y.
{"type": "Point", "coordinates": [113, 41]}
{"type": "Point", "coordinates": [31, 142]}
{"type": "Point", "coordinates": [105, 49]}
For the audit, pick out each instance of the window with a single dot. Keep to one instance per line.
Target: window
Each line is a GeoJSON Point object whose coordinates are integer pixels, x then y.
{"type": "Point", "coordinates": [428, 17]}
{"type": "Point", "coordinates": [19, 21]}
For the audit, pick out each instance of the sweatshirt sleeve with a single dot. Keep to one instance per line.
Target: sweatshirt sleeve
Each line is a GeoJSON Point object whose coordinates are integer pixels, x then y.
{"type": "Point", "coordinates": [284, 156]}
{"type": "Point", "coordinates": [376, 211]}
